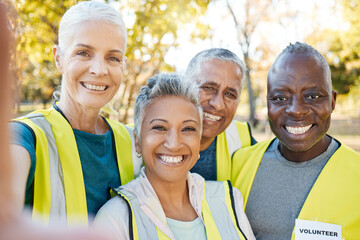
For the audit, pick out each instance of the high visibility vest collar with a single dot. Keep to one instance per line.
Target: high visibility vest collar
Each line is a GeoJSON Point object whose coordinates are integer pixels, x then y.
{"type": "Point", "coordinates": [235, 136]}
{"type": "Point", "coordinates": [218, 212]}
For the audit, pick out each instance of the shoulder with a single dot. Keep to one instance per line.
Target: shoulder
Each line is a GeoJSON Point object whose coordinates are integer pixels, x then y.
{"type": "Point", "coordinates": [116, 209]}
{"type": "Point", "coordinates": [120, 130]}
{"type": "Point", "coordinates": [345, 151]}
{"type": "Point", "coordinates": [258, 148]}
{"type": "Point", "coordinates": [23, 135]}
{"type": "Point", "coordinates": [20, 128]}
{"type": "Point", "coordinates": [115, 124]}
{"type": "Point", "coordinates": [114, 217]}
{"type": "Point", "coordinates": [241, 124]}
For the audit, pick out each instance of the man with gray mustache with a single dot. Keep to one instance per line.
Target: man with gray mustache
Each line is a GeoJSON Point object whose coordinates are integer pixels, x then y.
{"type": "Point", "coordinates": [220, 74]}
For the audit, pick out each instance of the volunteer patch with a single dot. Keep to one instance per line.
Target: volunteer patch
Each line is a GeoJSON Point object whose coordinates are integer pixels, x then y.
{"type": "Point", "coordinates": [312, 230]}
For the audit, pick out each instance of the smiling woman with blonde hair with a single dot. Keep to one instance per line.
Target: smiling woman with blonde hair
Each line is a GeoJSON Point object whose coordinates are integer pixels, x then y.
{"type": "Point", "coordinates": [67, 156]}
{"type": "Point", "coordinates": [167, 201]}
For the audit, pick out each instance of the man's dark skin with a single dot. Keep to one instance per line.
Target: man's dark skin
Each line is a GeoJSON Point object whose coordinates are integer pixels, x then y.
{"type": "Point", "coordinates": [300, 102]}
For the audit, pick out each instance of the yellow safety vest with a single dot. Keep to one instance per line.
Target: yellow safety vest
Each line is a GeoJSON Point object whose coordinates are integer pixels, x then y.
{"type": "Point", "coordinates": [218, 212]}
{"type": "Point", "coordinates": [58, 181]}
{"type": "Point", "coordinates": [334, 197]}
{"type": "Point", "coordinates": [235, 136]}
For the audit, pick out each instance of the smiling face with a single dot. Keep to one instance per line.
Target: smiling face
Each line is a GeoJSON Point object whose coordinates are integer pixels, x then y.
{"type": "Point", "coordinates": [300, 103]}
{"type": "Point", "coordinates": [92, 65]}
{"type": "Point", "coordinates": [170, 139]}
{"type": "Point", "coordinates": [220, 89]}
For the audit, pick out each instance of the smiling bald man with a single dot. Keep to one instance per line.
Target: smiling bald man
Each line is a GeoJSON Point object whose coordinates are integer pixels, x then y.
{"type": "Point", "coordinates": [303, 179]}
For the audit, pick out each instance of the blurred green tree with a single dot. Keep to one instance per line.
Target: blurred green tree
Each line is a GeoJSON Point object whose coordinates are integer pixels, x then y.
{"type": "Point", "coordinates": [343, 53]}
{"type": "Point", "coordinates": [37, 27]}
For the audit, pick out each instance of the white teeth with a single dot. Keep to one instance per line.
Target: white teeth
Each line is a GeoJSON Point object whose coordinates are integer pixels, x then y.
{"type": "Point", "coordinates": [171, 159]}
{"type": "Point", "coordinates": [211, 117]}
{"type": "Point", "coordinates": [298, 130]}
{"type": "Point", "coordinates": [94, 87]}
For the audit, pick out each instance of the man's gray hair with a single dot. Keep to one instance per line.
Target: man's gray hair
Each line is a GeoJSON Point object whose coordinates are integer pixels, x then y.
{"type": "Point", "coordinates": [195, 66]}
{"type": "Point", "coordinates": [87, 11]}
{"type": "Point", "coordinates": [165, 84]}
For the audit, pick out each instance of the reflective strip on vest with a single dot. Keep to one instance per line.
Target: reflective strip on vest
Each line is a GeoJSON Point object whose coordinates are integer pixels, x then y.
{"type": "Point", "coordinates": [219, 212]}
{"type": "Point", "coordinates": [59, 191]}
{"type": "Point", "coordinates": [334, 197]}
{"type": "Point", "coordinates": [42, 187]}
{"type": "Point", "coordinates": [124, 135]}
{"type": "Point", "coordinates": [245, 164]}
{"type": "Point", "coordinates": [217, 208]}
{"type": "Point", "coordinates": [235, 136]}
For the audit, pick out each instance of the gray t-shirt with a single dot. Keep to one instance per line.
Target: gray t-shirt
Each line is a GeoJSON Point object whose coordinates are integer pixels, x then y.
{"type": "Point", "coordinates": [279, 191]}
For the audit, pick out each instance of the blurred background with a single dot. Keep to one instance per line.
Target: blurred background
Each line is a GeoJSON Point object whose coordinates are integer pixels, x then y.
{"type": "Point", "coordinates": [163, 35]}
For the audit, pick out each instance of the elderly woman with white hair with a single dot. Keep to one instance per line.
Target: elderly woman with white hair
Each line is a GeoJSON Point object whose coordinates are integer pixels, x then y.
{"type": "Point", "coordinates": [167, 201]}
{"type": "Point", "coordinates": [67, 156]}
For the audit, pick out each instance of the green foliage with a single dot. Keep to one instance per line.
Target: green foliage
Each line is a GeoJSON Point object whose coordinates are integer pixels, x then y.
{"type": "Point", "coordinates": [37, 34]}
{"type": "Point", "coordinates": [344, 49]}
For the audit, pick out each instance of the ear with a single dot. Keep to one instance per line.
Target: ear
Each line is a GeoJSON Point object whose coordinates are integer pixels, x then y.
{"type": "Point", "coordinates": [137, 143]}
{"type": "Point", "coordinates": [57, 58]}
{"type": "Point", "coordinates": [333, 99]}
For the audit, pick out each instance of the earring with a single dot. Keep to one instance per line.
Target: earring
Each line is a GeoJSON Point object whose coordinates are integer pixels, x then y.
{"type": "Point", "coordinates": [199, 156]}
{"type": "Point", "coordinates": [138, 155]}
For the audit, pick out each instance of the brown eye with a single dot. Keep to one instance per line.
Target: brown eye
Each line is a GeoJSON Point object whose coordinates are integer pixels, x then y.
{"type": "Point", "coordinates": [280, 99]}
{"type": "Point", "coordinates": [114, 59]}
{"type": "Point", "coordinates": [83, 54]}
{"type": "Point", "coordinates": [189, 129]}
{"type": "Point", "coordinates": [208, 88]}
{"type": "Point", "coordinates": [159, 128]}
{"type": "Point", "coordinates": [230, 94]}
{"type": "Point", "coordinates": [313, 96]}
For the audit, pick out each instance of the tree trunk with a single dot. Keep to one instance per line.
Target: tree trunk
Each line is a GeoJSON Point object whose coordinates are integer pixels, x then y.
{"type": "Point", "coordinates": [252, 119]}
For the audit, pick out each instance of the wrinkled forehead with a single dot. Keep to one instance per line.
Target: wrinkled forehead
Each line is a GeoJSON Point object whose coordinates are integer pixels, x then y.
{"type": "Point", "coordinates": [295, 65]}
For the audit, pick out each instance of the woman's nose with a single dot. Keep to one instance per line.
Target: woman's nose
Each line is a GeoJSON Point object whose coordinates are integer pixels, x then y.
{"type": "Point", "coordinates": [173, 140]}
{"type": "Point", "coordinates": [98, 67]}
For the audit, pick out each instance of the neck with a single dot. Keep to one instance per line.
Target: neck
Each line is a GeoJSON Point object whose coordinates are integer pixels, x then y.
{"type": "Point", "coordinates": [82, 118]}
{"type": "Point", "coordinates": [205, 142]}
{"type": "Point", "coordinates": [307, 155]}
{"type": "Point", "coordinates": [174, 199]}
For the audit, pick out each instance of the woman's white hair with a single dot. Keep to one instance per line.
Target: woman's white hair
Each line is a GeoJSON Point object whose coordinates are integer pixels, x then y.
{"type": "Point", "coordinates": [87, 11]}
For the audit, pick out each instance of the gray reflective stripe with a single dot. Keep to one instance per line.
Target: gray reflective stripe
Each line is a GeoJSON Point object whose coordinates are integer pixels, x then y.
{"type": "Point", "coordinates": [58, 206]}
{"type": "Point", "coordinates": [146, 228]}
{"type": "Point", "coordinates": [137, 162]}
{"type": "Point", "coordinates": [232, 138]}
{"type": "Point", "coordinates": [215, 197]}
